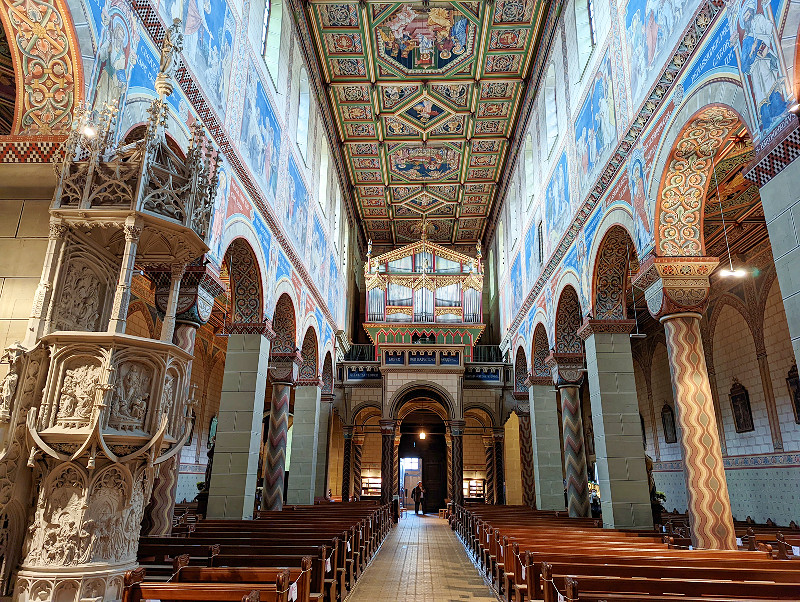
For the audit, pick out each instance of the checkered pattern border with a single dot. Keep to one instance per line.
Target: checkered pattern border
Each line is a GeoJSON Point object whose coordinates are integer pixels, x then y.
{"type": "Point", "coordinates": [28, 151]}
{"type": "Point", "coordinates": [776, 157]}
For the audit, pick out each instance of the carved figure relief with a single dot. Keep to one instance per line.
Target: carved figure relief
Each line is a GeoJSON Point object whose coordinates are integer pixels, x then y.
{"type": "Point", "coordinates": [168, 394]}
{"type": "Point", "coordinates": [53, 536]}
{"type": "Point", "coordinates": [80, 304]}
{"type": "Point", "coordinates": [77, 395]}
{"type": "Point", "coordinates": [131, 392]}
{"type": "Point", "coordinates": [8, 387]}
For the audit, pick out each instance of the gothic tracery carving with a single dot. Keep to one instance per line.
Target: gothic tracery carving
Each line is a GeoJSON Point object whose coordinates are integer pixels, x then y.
{"type": "Point", "coordinates": [81, 300]}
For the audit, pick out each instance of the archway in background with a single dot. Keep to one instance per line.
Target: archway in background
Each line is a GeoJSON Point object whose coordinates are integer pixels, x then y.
{"type": "Point", "coordinates": [423, 455]}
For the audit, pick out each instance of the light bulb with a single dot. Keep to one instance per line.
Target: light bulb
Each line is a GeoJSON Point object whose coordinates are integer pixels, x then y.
{"type": "Point", "coordinates": [89, 131]}
{"type": "Point", "coordinates": [422, 434]}
{"type": "Point", "coordinates": [737, 273]}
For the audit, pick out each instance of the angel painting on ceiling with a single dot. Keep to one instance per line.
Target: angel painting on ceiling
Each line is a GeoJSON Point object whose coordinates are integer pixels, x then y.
{"type": "Point", "coordinates": [422, 38]}
{"type": "Point", "coordinates": [422, 164]}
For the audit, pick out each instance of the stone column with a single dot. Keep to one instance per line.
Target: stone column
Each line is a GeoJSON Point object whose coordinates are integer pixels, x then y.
{"type": "Point", "coordinates": [358, 449]}
{"type": "Point", "coordinates": [457, 461]}
{"type": "Point", "coordinates": [499, 470]}
{"type": "Point", "coordinates": [526, 456]}
{"type": "Point", "coordinates": [488, 448]}
{"type": "Point", "coordinates": [122, 295]}
{"type": "Point", "coordinates": [346, 461]}
{"type": "Point", "coordinates": [234, 474]}
{"type": "Point", "coordinates": [323, 435]}
{"type": "Point", "coordinates": [547, 468]}
{"type": "Point", "coordinates": [168, 324]}
{"type": "Point", "coordinates": [305, 445]}
{"type": "Point", "coordinates": [622, 476]}
{"type": "Point", "coordinates": [567, 370]}
{"type": "Point", "coordinates": [41, 312]}
{"type": "Point", "coordinates": [676, 292]}
{"type": "Point", "coordinates": [449, 442]}
{"type": "Point", "coordinates": [387, 459]}
{"type": "Point", "coordinates": [396, 460]}
{"type": "Point", "coordinates": [769, 401]}
{"type": "Point", "coordinates": [777, 174]}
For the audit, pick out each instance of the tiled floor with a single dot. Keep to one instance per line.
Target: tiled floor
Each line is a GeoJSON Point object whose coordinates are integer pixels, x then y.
{"type": "Point", "coordinates": [421, 559]}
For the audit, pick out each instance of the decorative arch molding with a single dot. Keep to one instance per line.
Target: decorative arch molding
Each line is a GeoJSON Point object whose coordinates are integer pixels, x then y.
{"type": "Point", "coordinates": [709, 327]}
{"type": "Point", "coordinates": [239, 228]}
{"type": "Point", "coordinates": [412, 406]}
{"type": "Point", "coordinates": [568, 320]}
{"type": "Point", "coordinates": [309, 370]}
{"type": "Point", "coordinates": [141, 306]}
{"type": "Point", "coordinates": [711, 93]}
{"type": "Point", "coordinates": [47, 66]}
{"type": "Point", "coordinates": [327, 374]}
{"type": "Point", "coordinates": [439, 393]}
{"type": "Point", "coordinates": [285, 287]}
{"type": "Point", "coordinates": [683, 163]}
{"type": "Point", "coordinates": [245, 287]}
{"type": "Point", "coordinates": [369, 409]}
{"type": "Point", "coordinates": [611, 273]}
{"type": "Point", "coordinates": [540, 349]}
{"type": "Point", "coordinates": [520, 373]}
{"type": "Point", "coordinates": [486, 419]}
{"type": "Point", "coordinates": [284, 323]}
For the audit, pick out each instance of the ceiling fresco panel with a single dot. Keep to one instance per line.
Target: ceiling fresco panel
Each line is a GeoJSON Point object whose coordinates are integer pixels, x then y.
{"type": "Point", "coordinates": [426, 95]}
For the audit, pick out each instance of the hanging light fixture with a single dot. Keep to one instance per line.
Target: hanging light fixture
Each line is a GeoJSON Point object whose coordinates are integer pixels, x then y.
{"type": "Point", "coordinates": [422, 435]}
{"type": "Point", "coordinates": [730, 271]}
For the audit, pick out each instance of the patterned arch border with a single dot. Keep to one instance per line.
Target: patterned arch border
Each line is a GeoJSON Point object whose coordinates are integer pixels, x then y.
{"type": "Point", "coordinates": [681, 197]}
{"type": "Point", "coordinates": [568, 321]}
{"type": "Point", "coordinates": [309, 374]}
{"type": "Point", "coordinates": [520, 373]}
{"type": "Point", "coordinates": [245, 283]}
{"type": "Point", "coordinates": [540, 349]}
{"type": "Point", "coordinates": [611, 274]}
{"type": "Point", "coordinates": [285, 327]}
{"type": "Point", "coordinates": [47, 69]}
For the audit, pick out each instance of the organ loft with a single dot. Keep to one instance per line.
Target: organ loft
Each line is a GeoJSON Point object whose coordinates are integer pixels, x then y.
{"type": "Point", "coordinates": [327, 301]}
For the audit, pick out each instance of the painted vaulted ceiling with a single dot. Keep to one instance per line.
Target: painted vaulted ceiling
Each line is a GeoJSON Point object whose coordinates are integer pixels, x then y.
{"type": "Point", "coordinates": [426, 98]}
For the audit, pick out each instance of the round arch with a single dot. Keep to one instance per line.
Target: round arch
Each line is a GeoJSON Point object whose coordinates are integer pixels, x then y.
{"type": "Point", "coordinates": [481, 415]}
{"type": "Point", "coordinates": [309, 351]}
{"type": "Point", "coordinates": [693, 139]}
{"type": "Point", "coordinates": [610, 274]}
{"type": "Point", "coordinates": [422, 388]}
{"type": "Point", "coordinates": [327, 374]}
{"type": "Point", "coordinates": [245, 287]}
{"type": "Point", "coordinates": [540, 349]}
{"type": "Point", "coordinates": [520, 370]}
{"type": "Point", "coordinates": [568, 320]}
{"type": "Point", "coordinates": [284, 324]}
{"type": "Point", "coordinates": [285, 288]}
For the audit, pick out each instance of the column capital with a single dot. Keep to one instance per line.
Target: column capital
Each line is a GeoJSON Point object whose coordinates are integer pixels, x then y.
{"type": "Point", "coordinates": [676, 285]}
{"type": "Point", "coordinates": [498, 434]}
{"type": "Point", "coordinates": [358, 439]}
{"type": "Point", "coordinates": [455, 428]}
{"type": "Point", "coordinates": [591, 327]}
{"type": "Point", "coordinates": [263, 328]}
{"type": "Point", "coordinates": [523, 409]}
{"type": "Point", "coordinates": [387, 426]}
{"type": "Point", "coordinates": [285, 367]}
{"type": "Point", "coordinates": [567, 368]}
{"type": "Point", "coordinates": [347, 431]}
{"type": "Point", "coordinates": [532, 380]}
{"type": "Point", "coordinates": [488, 442]}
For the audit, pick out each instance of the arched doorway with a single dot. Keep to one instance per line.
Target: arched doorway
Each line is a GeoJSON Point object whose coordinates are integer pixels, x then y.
{"type": "Point", "coordinates": [423, 457]}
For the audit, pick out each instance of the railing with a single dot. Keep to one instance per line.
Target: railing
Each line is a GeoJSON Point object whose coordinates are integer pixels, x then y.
{"type": "Point", "coordinates": [360, 353]}
{"type": "Point", "coordinates": [487, 354]}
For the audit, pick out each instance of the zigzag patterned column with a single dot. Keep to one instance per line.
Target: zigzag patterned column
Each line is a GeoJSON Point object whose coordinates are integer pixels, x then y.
{"type": "Point", "coordinates": [457, 461]}
{"type": "Point", "coordinates": [358, 450]}
{"type": "Point", "coordinates": [346, 457]}
{"type": "Point", "coordinates": [706, 487]}
{"type": "Point", "coordinates": [272, 495]}
{"type": "Point", "coordinates": [396, 462]}
{"type": "Point", "coordinates": [526, 458]}
{"type": "Point", "coordinates": [567, 370]}
{"type": "Point", "coordinates": [488, 447]}
{"type": "Point", "coordinates": [676, 290]}
{"type": "Point", "coordinates": [387, 459]}
{"type": "Point", "coordinates": [499, 470]}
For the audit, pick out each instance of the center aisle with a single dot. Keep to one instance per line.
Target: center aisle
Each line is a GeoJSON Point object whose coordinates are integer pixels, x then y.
{"type": "Point", "coordinates": [421, 559]}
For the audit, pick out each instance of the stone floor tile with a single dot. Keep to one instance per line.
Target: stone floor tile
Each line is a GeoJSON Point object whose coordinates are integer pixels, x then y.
{"type": "Point", "coordinates": [421, 560]}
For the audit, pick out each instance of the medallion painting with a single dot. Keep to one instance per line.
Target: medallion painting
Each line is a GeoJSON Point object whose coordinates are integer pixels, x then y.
{"type": "Point", "coordinates": [423, 38]}
{"type": "Point", "coordinates": [417, 163]}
